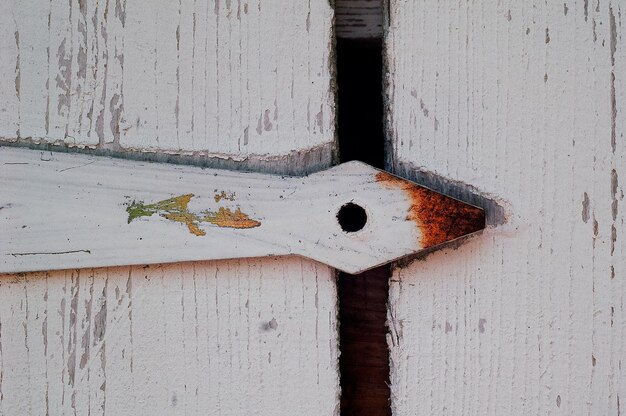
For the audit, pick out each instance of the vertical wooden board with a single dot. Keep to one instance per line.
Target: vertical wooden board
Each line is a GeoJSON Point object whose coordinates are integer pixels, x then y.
{"type": "Point", "coordinates": [59, 65]}
{"type": "Point", "coordinates": [229, 79]}
{"type": "Point", "coordinates": [15, 354]}
{"type": "Point", "coordinates": [31, 77]}
{"type": "Point", "coordinates": [238, 337]}
{"type": "Point", "coordinates": [525, 102]}
{"type": "Point", "coordinates": [9, 68]}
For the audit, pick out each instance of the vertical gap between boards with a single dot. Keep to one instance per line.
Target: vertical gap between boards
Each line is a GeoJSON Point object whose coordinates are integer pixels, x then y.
{"type": "Point", "coordinates": [364, 359]}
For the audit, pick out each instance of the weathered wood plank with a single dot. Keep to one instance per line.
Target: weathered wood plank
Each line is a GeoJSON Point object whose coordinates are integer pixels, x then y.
{"type": "Point", "coordinates": [230, 79]}
{"type": "Point", "coordinates": [183, 339]}
{"type": "Point", "coordinates": [524, 101]}
{"type": "Point", "coordinates": [223, 84]}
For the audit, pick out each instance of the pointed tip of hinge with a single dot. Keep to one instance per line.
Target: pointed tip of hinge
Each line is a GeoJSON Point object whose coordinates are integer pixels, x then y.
{"type": "Point", "coordinates": [440, 218]}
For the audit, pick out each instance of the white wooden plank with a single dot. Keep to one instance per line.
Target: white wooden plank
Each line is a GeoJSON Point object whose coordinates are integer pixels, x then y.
{"type": "Point", "coordinates": [82, 211]}
{"type": "Point", "coordinates": [31, 69]}
{"type": "Point", "coordinates": [176, 78]}
{"type": "Point", "coordinates": [59, 61]}
{"type": "Point", "coordinates": [9, 68]}
{"type": "Point", "coordinates": [58, 400]}
{"type": "Point", "coordinates": [525, 102]}
{"type": "Point", "coordinates": [230, 79]}
{"type": "Point", "coordinates": [248, 323]}
{"type": "Point", "coordinates": [15, 350]}
{"type": "Point", "coordinates": [35, 333]}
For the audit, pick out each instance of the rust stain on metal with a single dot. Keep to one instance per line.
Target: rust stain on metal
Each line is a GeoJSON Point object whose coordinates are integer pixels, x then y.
{"type": "Point", "coordinates": [439, 217]}
{"type": "Point", "coordinates": [175, 209]}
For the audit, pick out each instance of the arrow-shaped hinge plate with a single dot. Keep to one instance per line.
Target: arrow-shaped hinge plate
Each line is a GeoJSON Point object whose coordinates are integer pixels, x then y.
{"type": "Point", "coordinates": [72, 210]}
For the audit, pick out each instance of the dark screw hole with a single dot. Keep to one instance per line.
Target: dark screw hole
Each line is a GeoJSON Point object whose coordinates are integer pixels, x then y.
{"type": "Point", "coordinates": [351, 217]}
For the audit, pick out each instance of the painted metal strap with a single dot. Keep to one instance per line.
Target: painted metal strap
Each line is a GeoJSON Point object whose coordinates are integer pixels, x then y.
{"type": "Point", "coordinates": [60, 211]}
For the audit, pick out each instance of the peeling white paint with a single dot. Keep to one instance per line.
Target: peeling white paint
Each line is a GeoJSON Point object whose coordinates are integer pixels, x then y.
{"type": "Point", "coordinates": [531, 100]}
{"type": "Point", "coordinates": [177, 76]}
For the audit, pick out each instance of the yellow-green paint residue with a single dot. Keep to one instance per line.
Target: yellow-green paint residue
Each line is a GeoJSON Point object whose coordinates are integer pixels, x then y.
{"type": "Point", "coordinates": [223, 195]}
{"type": "Point", "coordinates": [175, 209]}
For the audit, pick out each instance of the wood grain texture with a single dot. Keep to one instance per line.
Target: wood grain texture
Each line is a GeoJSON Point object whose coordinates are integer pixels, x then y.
{"type": "Point", "coordinates": [524, 101]}
{"type": "Point", "coordinates": [230, 338]}
{"type": "Point", "coordinates": [233, 83]}
{"type": "Point", "coordinates": [358, 19]}
{"type": "Point", "coordinates": [224, 78]}
{"type": "Point", "coordinates": [85, 211]}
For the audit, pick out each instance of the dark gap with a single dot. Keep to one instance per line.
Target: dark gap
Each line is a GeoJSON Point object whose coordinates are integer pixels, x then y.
{"type": "Point", "coordinates": [351, 217]}
{"type": "Point", "coordinates": [360, 101]}
{"type": "Point", "coordinates": [364, 359]}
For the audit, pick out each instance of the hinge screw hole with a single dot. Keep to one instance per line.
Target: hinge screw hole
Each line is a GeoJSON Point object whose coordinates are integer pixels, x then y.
{"type": "Point", "coordinates": [351, 217]}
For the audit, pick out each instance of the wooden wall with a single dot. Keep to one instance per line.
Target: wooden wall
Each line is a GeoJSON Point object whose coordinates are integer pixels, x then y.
{"type": "Point", "coordinates": [520, 103]}
{"type": "Point", "coordinates": [523, 103]}
{"type": "Point", "coordinates": [226, 78]}
{"type": "Point", "coordinates": [216, 81]}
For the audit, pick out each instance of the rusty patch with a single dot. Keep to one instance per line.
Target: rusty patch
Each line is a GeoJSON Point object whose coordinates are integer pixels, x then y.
{"type": "Point", "coordinates": [223, 195]}
{"type": "Point", "coordinates": [224, 217]}
{"type": "Point", "coordinates": [439, 217]}
{"type": "Point", "coordinates": [175, 209]}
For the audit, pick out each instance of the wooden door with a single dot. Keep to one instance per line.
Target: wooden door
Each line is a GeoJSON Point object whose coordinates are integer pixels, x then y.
{"type": "Point", "coordinates": [514, 106]}
{"type": "Point", "coordinates": [231, 84]}
{"type": "Point", "coordinates": [521, 103]}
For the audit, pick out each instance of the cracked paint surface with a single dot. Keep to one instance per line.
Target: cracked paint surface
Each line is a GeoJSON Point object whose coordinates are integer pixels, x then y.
{"type": "Point", "coordinates": [175, 209]}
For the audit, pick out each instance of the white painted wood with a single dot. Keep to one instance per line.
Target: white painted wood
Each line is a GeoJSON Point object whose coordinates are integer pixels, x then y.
{"type": "Point", "coordinates": [526, 102]}
{"type": "Point", "coordinates": [231, 337]}
{"type": "Point", "coordinates": [242, 81]}
{"type": "Point", "coordinates": [225, 78]}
